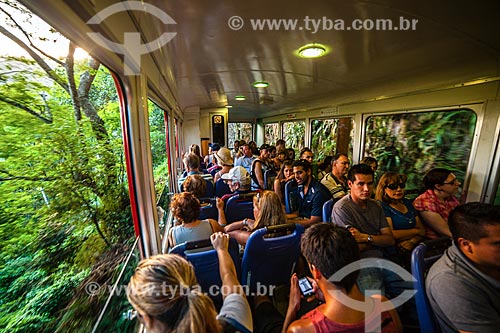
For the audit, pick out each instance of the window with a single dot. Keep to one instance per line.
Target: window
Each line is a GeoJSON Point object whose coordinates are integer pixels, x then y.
{"type": "Point", "coordinates": [272, 133]}
{"type": "Point", "coordinates": [294, 134]}
{"type": "Point", "coordinates": [239, 131]}
{"type": "Point", "coordinates": [331, 136]}
{"type": "Point", "coordinates": [413, 143]}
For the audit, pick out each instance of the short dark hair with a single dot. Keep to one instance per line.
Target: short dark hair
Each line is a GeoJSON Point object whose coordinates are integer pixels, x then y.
{"type": "Point", "coordinates": [302, 163]}
{"type": "Point", "coordinates": [435, 177]}
{"type": "Point", "coordinates": [330, 248]}
{"type": "Point", "coordinates": [337, 156]}
{"type": "Point", "coordinates": [304, 150]}
{"type": "Point", "coordinates": [468, 220]}
{"type": "Point", "coordinates": [361, 169]}
{"type": "Point", "coordinates": [192, 161]}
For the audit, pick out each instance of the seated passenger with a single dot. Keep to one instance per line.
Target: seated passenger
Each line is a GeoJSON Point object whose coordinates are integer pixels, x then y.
{"type": "Point", "coordinates": [192, 163]}
{"type": "Point", "coordinates": [267, 210]}
{"type": "Point", "coordinates": [463, 286]}
{"type": "Point", "coordinates": [238, 180]}
{"type": "Point", "coordinates": [224, 161]}
{"type": "Point", "coordinates": [437, 201]}
{"type": "Point", "coordinates": [312, 195]}
{"type": "Point", "coordinates": [290, 154]}
{"type": "Point", "coordinates": [325, 167]}
{"type": "Point", "coordinates": [167, 298]}
{"type": "Point", "coordinates": [327, 249]}
{"type": "Point", "coordinates": [247, 159]}
{"type": "Point", "coordinates": [365, 219]}
{"type": "Point", "coordinates": [403, 219]}
{"type": "Point", "coordinates": [196, 185]}
{"type": "Point", "coordinates": [284, 175]}
{"type": "Point", "coordinates": [195, 149]}
{"type": "Point", "coordinates": [371, 162]}
{"type": "Point", "coordinates": [336, 180]}
{"type": "Point", "coordinates": [186, 210]}
{"type": "Point", "coordinates": [306, 154]}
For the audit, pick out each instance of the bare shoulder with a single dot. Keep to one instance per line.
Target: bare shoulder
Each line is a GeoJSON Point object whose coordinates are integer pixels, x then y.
{"type": "Point", "coordinates": [301, 326]}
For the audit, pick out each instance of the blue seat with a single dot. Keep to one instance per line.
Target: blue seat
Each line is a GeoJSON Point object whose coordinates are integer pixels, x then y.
{"type": "Point", "coordinates": [422, 258]}
{"type": "Point", "coordinates": [206, 263]}
{"type": "Point", "coordinates": [269, 177]}
{"type": "Point", "coordinates": [209, 192]}
{"type": "Point", "coordinates": [208, 210]}
{"type": "Point", "coordinates": [239, 206]}
{"type": "Point", "coordinates": [327, 210]}
{"type": "Point", "coordinates": [221, 188]}
{"type": "Point", "coordinates": [271, 261]}
{"type": "Point", "coordinates": [291, 196]}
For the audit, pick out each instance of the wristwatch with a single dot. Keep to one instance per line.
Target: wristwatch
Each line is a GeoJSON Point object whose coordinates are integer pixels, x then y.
{"type": "Point", "coordinates": [370, 239]}
{"type": "Point", "coordinates": [245, 221]}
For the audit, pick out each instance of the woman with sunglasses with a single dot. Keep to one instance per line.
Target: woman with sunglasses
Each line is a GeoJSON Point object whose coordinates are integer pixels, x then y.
{"type": "Point", "coordinates": [405, 223]}
{"type": "Point", "coordinates": [267, 210]}
{"type": "Point", "coordinates": [436, 203]}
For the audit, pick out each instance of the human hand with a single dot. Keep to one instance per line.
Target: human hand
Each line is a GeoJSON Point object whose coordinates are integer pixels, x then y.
{"type": "Point", "coordinates": [219, 203]}
{"type": "Point", "coordinates": [295, 295]}
{"type": "Point", "coordinates": [220, 241]}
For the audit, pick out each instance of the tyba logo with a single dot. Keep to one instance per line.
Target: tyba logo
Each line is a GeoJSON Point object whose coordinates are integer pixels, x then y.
{"type": "Point", "coordinates": [132, 49]}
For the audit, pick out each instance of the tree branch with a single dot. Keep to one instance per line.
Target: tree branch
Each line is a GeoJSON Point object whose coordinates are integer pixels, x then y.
{"type": "Point", "coordinates": [70, 73]}
{"type": "Point", "coordinates": [47, 120]}
{"type": "Point", "coordinates": [10, 176]}
{"type": "Point", "coordinates": [29, 39]}
{"type": "Point", "coordinates": [50, 72]}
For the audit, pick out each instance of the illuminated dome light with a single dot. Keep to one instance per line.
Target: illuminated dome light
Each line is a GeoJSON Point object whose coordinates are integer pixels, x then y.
{"type": "Point", "coordinates": [312, 51]}
{"type": "Point", "coordinates": [240, 98]}
{"type": "Point", "coordinates": [228, 106]}
{"type": "Point", "coordinates": [261, 84]}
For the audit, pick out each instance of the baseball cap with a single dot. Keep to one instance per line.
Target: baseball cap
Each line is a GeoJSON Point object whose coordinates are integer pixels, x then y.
{"type": "Point", "coordinates": [237, 174]}
{"type": "Point", "coordinates": [214, 146]}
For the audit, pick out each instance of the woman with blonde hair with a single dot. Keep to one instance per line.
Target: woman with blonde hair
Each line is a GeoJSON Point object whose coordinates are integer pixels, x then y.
{"type": "Point", "coordinates": [267, 210]}
{"type": "Point", "coordinates": [167, 298]}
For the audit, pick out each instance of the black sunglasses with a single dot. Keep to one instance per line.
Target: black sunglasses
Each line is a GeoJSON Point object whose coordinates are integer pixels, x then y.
{"type": "Point", "coordinates": [396, 186]}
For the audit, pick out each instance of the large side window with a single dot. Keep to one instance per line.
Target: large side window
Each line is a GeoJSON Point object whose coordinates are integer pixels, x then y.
{"type": "Point", "coordinates": [331, 136]}
{"type": "Point", "coordinates": [294, 134]}
{"type": "Point", "coordinates": [239, 131]}
{"type": "Point", "coordinates": [272, 133]}
{"type": "Point", "coordinates": [413, 143]}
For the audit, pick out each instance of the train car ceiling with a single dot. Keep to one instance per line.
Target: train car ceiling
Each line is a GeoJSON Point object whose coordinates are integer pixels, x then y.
{"type": "Point", "coordinates": [218, 51]}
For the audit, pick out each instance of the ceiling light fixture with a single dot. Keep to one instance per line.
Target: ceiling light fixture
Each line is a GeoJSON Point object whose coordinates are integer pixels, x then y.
{"type": "Point", "coordinates": [312, 51]}
{"type": "Point", "coordinates": [228, 106]}
{"type": "Point", "coordinates": [240, 98]}
{"type": "Point", "coordinates": [261, 84]}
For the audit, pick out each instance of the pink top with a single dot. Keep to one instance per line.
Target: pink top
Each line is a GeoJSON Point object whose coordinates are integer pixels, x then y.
{"type": "Point", "coordinates": [325, 325]}
{"type": "Point", "coordinates": [428, 201]}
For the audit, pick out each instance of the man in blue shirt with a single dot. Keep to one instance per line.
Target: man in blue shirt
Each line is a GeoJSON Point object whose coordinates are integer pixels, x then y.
{"type": "Point", "coordinates": [247, 158]}
{"type": "Point", "coordinates": [311, 195]}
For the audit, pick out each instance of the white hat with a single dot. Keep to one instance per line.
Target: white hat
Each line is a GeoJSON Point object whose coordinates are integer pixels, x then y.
{"type": "Point", "coordinates": [237, 174]}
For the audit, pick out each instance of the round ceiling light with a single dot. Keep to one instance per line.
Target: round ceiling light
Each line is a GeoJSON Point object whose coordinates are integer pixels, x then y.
{"type": "Point", "coordinates": [240, 98]}
{"type": "Point", "coordinates": [261, 84]}
{"type": "Point", "coordinates": [312, 51]}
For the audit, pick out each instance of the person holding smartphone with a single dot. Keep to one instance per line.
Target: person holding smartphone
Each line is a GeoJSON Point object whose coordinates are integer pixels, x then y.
{"type": "Point", "coordinates": [327, 249]}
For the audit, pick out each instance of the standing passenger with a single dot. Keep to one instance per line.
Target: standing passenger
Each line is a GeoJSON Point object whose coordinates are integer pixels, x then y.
{"type": "Point", "coordinates": [437, 201]}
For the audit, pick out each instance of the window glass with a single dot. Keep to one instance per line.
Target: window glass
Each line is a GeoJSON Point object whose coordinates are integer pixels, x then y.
{"type": "Point", "coordinates": [413, 143]}
{"type": "Point", "coordinates": [239, 131]}
{"type": "Point", "coordinates": [331, 136]}
{"type": "Point", "coordinates": [294, 133]}
{"type": "Point", "coordinates": [272, 133]}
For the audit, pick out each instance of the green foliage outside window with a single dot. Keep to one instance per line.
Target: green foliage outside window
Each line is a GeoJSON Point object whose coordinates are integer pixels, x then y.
{"type": "Point", "coordinates": [271, 133]}
{"type": "Point", "coordinates": [239, 131]}
{"type": "Point", "coordinates": [413, 143]}
{"type": "Point", "coordinates": [294, 133]}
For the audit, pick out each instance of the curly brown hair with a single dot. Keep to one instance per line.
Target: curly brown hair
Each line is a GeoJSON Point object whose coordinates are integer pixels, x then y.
{"type": "Point", "coordinates": [185, 207]}
{"type": "Point", "coordinates": [196, 185]}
